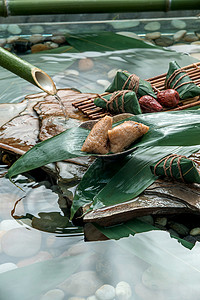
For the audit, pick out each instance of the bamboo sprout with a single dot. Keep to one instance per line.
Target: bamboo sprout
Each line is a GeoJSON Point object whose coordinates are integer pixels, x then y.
{"type": "Point", "coordinates": [27, 71]}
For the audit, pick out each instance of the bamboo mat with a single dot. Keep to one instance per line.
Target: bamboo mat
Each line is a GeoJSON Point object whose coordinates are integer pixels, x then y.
{"type": "Point", "coordinates": [89, 109]}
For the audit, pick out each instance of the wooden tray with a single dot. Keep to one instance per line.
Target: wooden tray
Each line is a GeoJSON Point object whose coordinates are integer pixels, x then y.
{"type": "Point", "coordinates": [89, 109]}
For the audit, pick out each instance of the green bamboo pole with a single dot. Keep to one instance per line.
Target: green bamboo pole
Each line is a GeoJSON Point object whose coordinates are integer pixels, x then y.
{"type": "Point", "coordinates": [35, 7]}
{"type": "Point", "coordinates": [27, 71]}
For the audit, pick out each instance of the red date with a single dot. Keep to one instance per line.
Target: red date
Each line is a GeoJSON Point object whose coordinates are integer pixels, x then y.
{"type": "Point", "coordinates": [148, 104]}
{"type": "Point", "coordinates": [168, 98]}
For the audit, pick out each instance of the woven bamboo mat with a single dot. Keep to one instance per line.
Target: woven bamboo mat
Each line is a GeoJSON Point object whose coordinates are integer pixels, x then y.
{"type": "Point", "coordinates": [89, 109]}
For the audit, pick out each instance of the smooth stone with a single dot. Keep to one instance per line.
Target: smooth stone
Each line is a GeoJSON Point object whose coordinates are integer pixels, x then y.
{"type": "Point", "coordinates": [124, 24]}
{"type": "Point", "coordinates": [195, 43]}
{"type": "Point", "coordinates": [129, 34]}
{"type": "Point", "coordinates": [179, 35]}
{"type": "Point", "coordinates": [92, 298]}
{"type": "Point", "coordinates": [152, 26]}
{"type": "Point", "coordinates": [41, 256]}
{"type": "Point", "coordinates": [173, 233]}
{"type": "Point", "coordinates": [71, 72]}
{"type": "Point", "coordinates": [164, 41]}
{"type": "Point", "coordinates": [179, 228]}
{"type": "Point", "coordinates": [53, 45]}
{"type": "Point", "coordinates": [3, 42]}
{"type": "Point", "coordinates": [123, 291]}
{"type": "Point", "coordinates": [39, 47]}
{"type": "Point", "coordinates": [190, 239]}
{"type": "Point", "coordinates": [7, 225]}
{"type": "Point", "coordinates": [85, 64]}
{"type": "Point", "coordinates": [179, 24]}
{"type": "Point", "coordinates": [3, 27]}
{"type": "Point", "coordinates": [189, 38]}
{"type": "Point", "coordinates": [55, 294]}
{"type": "Point", "coordinates": [12, 39]}
{"type": "Point", "coordinates": [161, 221]}
{"type": "Point", "coordinates": [105, 83]}
{"type": "Point", "coordinates": [105, 292]}
{"type": "Point", "coordinates": [195, 231]}
{"type": "Point", "coordinates": [7, 267]}
{"type": "Point", "coordinates": [81, 284]}
{"type": "Point", "coordinates": [36, 38]}
{"type": "Point", "coordinates": [36, 29]}
{"type": "Point", "coordinates": [147, 219]}
{"type": "Point", "coordinates": [197, 34]}
{"type": "Point", "coordinates": [21, 242]}
{"type": "Point", "coordinates": [153, 35]}
{"type": "Point", "coordinates": [70, 172]}
{"type": "Point", "coordinates": [14, 29]}
{"type": "Point", "coordinates": [60, 39]}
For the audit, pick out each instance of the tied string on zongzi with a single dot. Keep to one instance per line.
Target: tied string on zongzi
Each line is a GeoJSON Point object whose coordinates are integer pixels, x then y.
{"type": "Point", "coordinates": [133, 81]}
{"type": "Point", "coordinates": [173, 76]}
{"type": "Point", "coordinates": [172, 157]}
{"type": "Point", "coordinates": [114, 99]}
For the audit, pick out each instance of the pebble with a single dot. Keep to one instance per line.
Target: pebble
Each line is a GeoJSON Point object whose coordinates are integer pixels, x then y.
{"type": "Point", "coordinates": [14, 29]}
{"type": "Point", "coordinates": [152, 26]}
{"type": "Point", "coordinates": [39, 47]}
{"type": "Point", "coordinates": [195, 43]}
{"type": "Point", "coordinates": [105, 292]}
{"type": "Point", "coordinates": [36, 29]}
{"type": "Point", "coordinates": [85, 64]}
{"type": "Point", "coordinates": [60, 39]}
{"type": "Point", "coordinates": [3, 42]}
{"type": "Point", "coordinates": [12, 39]}
{"type": "Point", "coordinates": [21, 242]}
{"type": "Point", "coordinates": [6, 225]}
{"type": "Point", "coordinates": [92, 298]}
{"type": "Point", "coordinates": [41, 256]}
{"type": "Point", "coordinates": [53, 45]}
{"type": "Point", "coordinates": [190, 239]}
{"type": "Point", "coordinates": [195, 231]}
{"type": "Point", "coordinates": [147, 219]}
{"type": "Point", "coordinates": [129, 34]}
{"type": "Point", "coordinates": [72, 72]}
{"type": "Point", "coordinates": [197, 34]}
{"type": "Point", "coordinates": [7, 267]}
{"type": "Point", "coordinates": [164, 41]}
{"type": "Point", "coordinates": [3, 27]}
{"type": "Point", "coordinates": [179, 24]}
{"type": "Point", "coordinates": [189, 38]}
{"type": "Point", "coordinates": [161, 221]}
{"type": "Point", "coordinates": [55, 294]}
{"type": "Point", "coordinates": [105, 83]}
{"type": "Point", "coordinates": [123, 291]}
{"type": "Point", "coordinates": [173, 233]}
{"type": "Point", "coordinates": [81, 284]}
{"type": "Point", "coordinates": [36, 38]}
{"type": "Point", "coordinates": [111, 74]}
{"type": "Point", "coordinates": [124, 25]}
{"type": "Point", "coordinates": [179, 35]}
{"type": "Point", "coordinates": [179, 228]}
{"type": "Point", "coordinates": [153, 35]}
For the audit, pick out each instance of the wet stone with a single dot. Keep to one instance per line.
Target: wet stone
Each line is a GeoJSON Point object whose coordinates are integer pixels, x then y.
{"type": "Point", "coordinates": [39, 47]}
{"type": "Point", "coordinates": [152, 26]}
{"type": "Point", "coordinates": [153, 35]}
{"type": "Point", "coordinates": [164, 41]}
{"type": "Point", "coordinates": [195, 231]}
{"type": "Point", "coordinates": [129, 34]}
{"type": "Point", "coordinates": [161, 221]}
{"type": "Point", "coordinates": [197, 34]}
{"type": "Point", "coordinates": [85, 64]}
{"type": "Point", "coordinates": [179, 35]}
{"type": "Point", "coordinates": [189, 38]}
{"type": "Point", "coordinates": [12, 39]}
{"type": "Point", "coordinates": [147, 219]}
{"type": "Point", "coordinates": [36, 29]}
{"type": "Point", "coordinates": [7, 267]}
{"type": "Point", "coordinates": [60, 39]}
{"type": "Point", "coordinates": [124, 25]}
{"type": "Point", "coordinates": [123, 291]}
{"type": "Point", "coordinates": [103, 82]}
{"type": "Point", "coordinates": [179, 24]}
{"type": "Point", "coordinates": [71, 72]}
{"type": "Point", "coordinates": [14, 29]}
{"type": "Point", "coordinates": [173, 233]}
{"type": "Point", "coordinates": [55, 294]}
{"type": "Point", "coordinates": [36, 38]}
{"type": "Point", "coordinates": [2, 42]}
{"type": "Point", "coordinates": [179, 228]}
{"type": "Point", "coordinates": [190, 239]}
{"type": "Point", "coordinates": [105, 292]}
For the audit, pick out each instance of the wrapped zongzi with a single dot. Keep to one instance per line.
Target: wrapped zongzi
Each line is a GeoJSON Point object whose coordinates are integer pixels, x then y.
{"type": "Point", "coordinates": [119, 102]}
{"type": "Point", "coordinates": [178, 79]}
{"type": "Point", "coordinates": [177, 167]}
{"type": "Point", "coordinates": [126, 81]}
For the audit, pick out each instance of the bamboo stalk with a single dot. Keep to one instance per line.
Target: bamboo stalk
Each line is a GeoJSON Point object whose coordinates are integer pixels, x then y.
{"type": "Point", "coordinates": [38, 7]}
{"type": "Point", "coordinates": [27, 71]}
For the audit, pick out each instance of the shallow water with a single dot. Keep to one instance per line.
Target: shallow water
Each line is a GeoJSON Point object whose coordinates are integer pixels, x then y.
{"type": "Point", "coordinates": [42, 254]}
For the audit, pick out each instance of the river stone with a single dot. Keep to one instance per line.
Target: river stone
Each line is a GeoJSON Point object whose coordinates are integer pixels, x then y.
{"type": "Point", "coordinates": [124, 24]}
{"type": "Point", "coordinates": [190, 239]}
{"type": "Point", "coordinates": [21, 242]}
{"type": "Point", "coordinates": [179, 35]}
{"type": "Point", "coordinates": [71, 72]}
{"type": "Point", "coordinates": [59, 39]}
{"type": "Point", "coordinates": [164, 41]}
{"type": "Point", "coordinates": [7, 267]}
{"type": "Point", "coordinates": [179, 24]}
{"type": "Point", "coordinates": [123, 291]}
{"type": "Point", "coordinates": [7, 225]}
{"type": "Point", "coordinates": [85, 64]}
{"type": "Point", "coordinates": [189, 38]}
{"type": "Point", "coordinates": [12, 39]}
{"type": "Point", "coordinates": [36, 38]}
{"type": "Point", "coordinates": [129, 34]}
{"type": "Point", "coordinates": [173, 233]}
{"type": "Point", "coordinates": [153, 35]}
{"type": "Point", "coordinates": [14, 29]}
{"type": "Point", "coordinates": [179, 228]}
{"type": "Point", "coordinates": [195, 43]}
{"type": "Point", "coordinates": [147, 219]}
{"type": "Point", "coordinates": [3, 27]}
{"type": "Point", "coordinates": [92, 298]}
{"type": "Point", "coordinates": [103, 82]}
{"type": "Point", "coordinates": [152, 26]}
{"type": "Point", "coordinates": [195, 231]}
{"type": "Point", "coordinates": [2, 42]}
{"type": "Point", "coordinates": [53, 45]}
{"type": "Point", "coordinates": [162, 221]}
{"type": "Point", "coordinates": [55, 294]}
{"type": "Point", "coordinates": [105, 292]}
{"type": "Point", "coordinates": [36, 29]}
{"type": "Point", "coordinates": [81, 284]}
